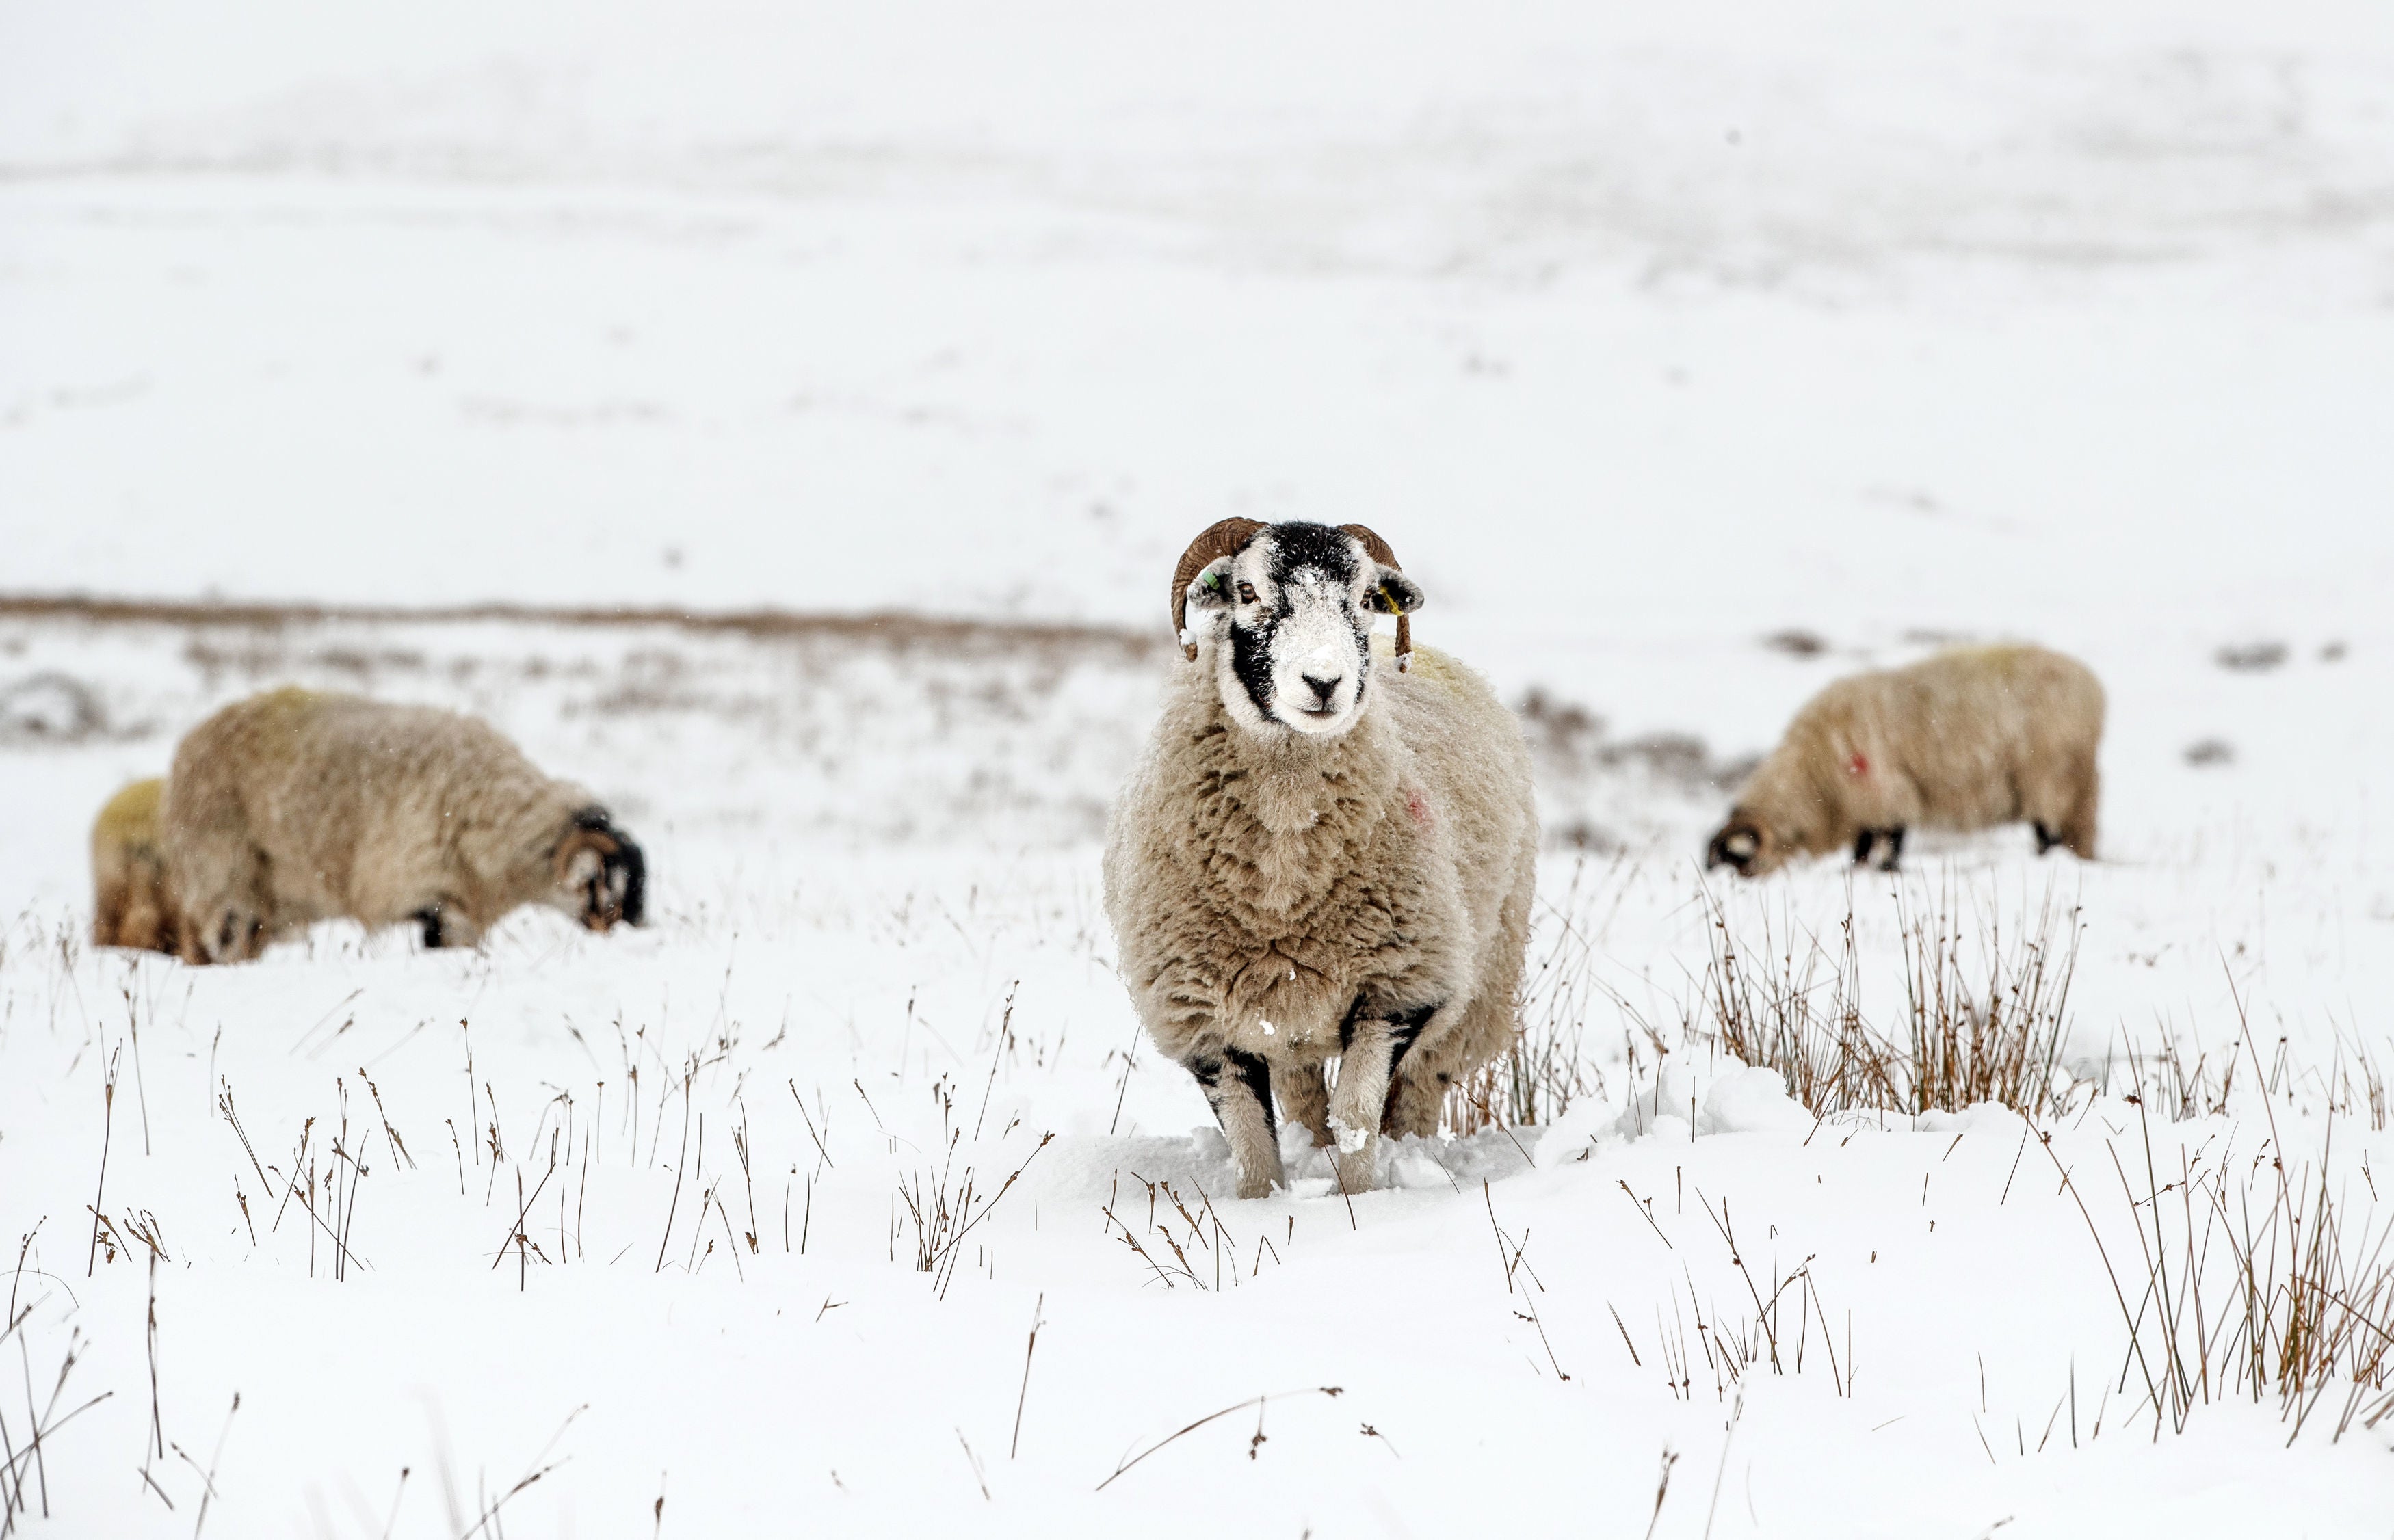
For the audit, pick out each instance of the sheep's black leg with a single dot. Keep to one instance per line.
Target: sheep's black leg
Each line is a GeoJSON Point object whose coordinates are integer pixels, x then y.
{"type": "Point", "coordinates": [1238, 1087]}
{"type": "Point", "coordinates": [1862, 843]}
{"type": "Point", "coordinates": [2045, 838]}
{"type": "Point", "coordinates": [1256, 1076]}
{"type": "Point", "coordinates": [1894, 848]}
{"type": "Point", "coordinates": [1407, 1030]}
{"type": "Point", "coordinates": [429, 918]}
{"type": "Point", "coordinates": [1372, 1047]}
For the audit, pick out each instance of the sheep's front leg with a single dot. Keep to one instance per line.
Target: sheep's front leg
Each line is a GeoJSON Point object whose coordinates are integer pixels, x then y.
{"type": "Point", "coordinates": [446, 924]}
{"type": "Point", "coordinates": [1358, 1103]}
{"type": "Point", "coordinates": [1238, 1087]}
{"type": "Point", "coordinates": [1890, 840]}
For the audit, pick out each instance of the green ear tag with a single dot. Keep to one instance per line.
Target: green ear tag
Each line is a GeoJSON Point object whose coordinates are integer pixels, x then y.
{"type": "Point", "coordinates": [1213, 582]}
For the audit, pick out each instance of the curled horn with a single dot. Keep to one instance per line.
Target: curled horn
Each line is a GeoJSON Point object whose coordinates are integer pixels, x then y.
{"type": "Point", "coordinates": [1377, 549]}
{"type": "Point", "coordinates": [1225, 538]}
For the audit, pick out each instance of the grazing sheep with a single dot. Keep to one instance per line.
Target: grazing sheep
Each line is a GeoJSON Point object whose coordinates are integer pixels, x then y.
{"type": "Point", "coordinates": [1965, 740]}
{"type": "Point", "coordinates": [1320, 857]}
{"type": "Point", "coordinates": [130, 904]}
{"type": "Point", "coordinates": [293, 806]}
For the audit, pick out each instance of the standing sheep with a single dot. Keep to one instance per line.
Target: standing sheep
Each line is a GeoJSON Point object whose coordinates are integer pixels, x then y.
{"type": "Point", "coordinates": [130, 904]}
{"type": "Point", "coordinates": [1320, 857]}
{"type": "Point", "coordinates": [293, 806]}
{"type": "Point", "coordinates": [1965, 740]}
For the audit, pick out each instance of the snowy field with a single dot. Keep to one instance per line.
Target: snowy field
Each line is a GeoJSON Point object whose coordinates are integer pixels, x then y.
{"type": "Point", "coordinates": [1687, 361]}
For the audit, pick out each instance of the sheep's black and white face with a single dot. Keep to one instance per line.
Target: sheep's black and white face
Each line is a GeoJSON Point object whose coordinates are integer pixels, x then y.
{"type": "Point", "coordinates": [1289, 621]}
{"type": "Point", "coordinates": [1746, 845]}
{"type": "Point", "coordinates": [601, 875]}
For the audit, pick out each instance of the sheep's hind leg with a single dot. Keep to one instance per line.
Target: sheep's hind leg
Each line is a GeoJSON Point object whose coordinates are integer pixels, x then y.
{"type": "Point", "coordinates": [446, 925]}
{"type": "Point", "coordinates": [1238, 1087]}
{"type": "Point", "coordinates": [1891, 840]}
{"type": "Point", "coordinates": [1304, 1100]}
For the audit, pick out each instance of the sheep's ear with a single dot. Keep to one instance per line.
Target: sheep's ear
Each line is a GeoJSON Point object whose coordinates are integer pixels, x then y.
{"type": "Point", "coordinates": [1393, 593]}
{"type": "Point", "coordinates": [1211, 588]}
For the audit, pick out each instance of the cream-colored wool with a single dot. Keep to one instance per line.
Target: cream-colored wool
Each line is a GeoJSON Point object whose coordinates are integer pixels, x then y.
{"type": "Point", "coordinates": [1262, 888]}
{"type": "Point", "coordinates": [130, 904]}
{"type": "Point", "coordinates": [293, 806]}
{"type": "Point", "coordinates": [1965, 740]}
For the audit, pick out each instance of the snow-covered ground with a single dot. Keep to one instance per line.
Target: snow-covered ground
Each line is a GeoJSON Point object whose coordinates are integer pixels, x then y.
{"type": "Point", "coordinates": [1687, 358]}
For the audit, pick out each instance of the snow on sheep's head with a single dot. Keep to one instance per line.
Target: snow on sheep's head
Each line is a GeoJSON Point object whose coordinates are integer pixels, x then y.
{"type": "Point", "coordinates": [1287, 612]}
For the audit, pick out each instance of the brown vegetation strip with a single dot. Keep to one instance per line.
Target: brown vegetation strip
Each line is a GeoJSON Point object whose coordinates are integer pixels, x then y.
{"type": "Point", "coordinates": [894, 628]}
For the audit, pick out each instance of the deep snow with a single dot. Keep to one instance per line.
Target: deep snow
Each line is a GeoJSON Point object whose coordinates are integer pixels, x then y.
{"type": "Point", "coordinates": [1643, 338]}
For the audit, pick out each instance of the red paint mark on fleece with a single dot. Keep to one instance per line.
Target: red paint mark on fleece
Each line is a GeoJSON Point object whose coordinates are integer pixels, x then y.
{"type": "Point", "coordinates": [1857, 765]}
{"type": "Point", "coordinates": [1418, 807]}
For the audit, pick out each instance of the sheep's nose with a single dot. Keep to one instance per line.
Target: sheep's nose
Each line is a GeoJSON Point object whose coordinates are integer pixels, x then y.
{"type": "Point", "coordinates": [1324, 671]}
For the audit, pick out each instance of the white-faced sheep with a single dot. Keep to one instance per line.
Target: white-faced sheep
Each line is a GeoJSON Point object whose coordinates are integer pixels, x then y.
{"type": "Point", "coordinates": [130, 904]}
{"type": "Point", "coordinates": [1965, 740]}
{"type": "Point", "coordinates": [293, 806]}
{"type": "Point", "coordinates": [1321, 855]}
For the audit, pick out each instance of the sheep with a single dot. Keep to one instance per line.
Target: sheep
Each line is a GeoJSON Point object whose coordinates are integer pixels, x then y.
{"type": "Point", "coordinates": [294, 805]}
{"type": "Point", "coordinates": [130, 904]}
{"type": "Point", "coordinates": [1965, 740]}
{"type": "Point", "coordinates": [1320, 856]}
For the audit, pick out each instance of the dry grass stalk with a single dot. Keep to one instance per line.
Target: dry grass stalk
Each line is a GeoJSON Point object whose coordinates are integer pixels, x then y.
{"type": "Point", "coordinates": [941, 1206]}
{"type": "Point", "coordinates": [1022, 1397]}
{"type": "Point", "coordinates": [1537, 1079]}
{"type": "Point", "coordinates": [1984, 1029]}
{"type": "Point", "coordinates": [2282, 1302]}
{"type": "Point", "coordinates": [1731, 1347]}
{"type": "Point", "coordinates": [26, 1467]}
{"type": "Point", "coordinates": [1998, 1039]}
{"type": "Point", "coordinates": [1202, 1236]}
{"type": "Point", "coordinates": [1254, 1446]}
{"type": "Point", "coordinates": [1513, 1254]}
{"type": "Point", "coordinates": [99, 1191]}
{"type": "Point", "coordinates": [1764, 1003]}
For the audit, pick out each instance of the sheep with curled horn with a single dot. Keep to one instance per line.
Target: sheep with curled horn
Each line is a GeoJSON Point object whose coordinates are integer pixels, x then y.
{"type": "Point", "coordinates": [131, 906]}
{"type": "Point", "coordinates": [1320, 856]}
{"type": "Point", "coordinates": [1968, 739]}
{"type": "Point", "coordinates": [294, 805]}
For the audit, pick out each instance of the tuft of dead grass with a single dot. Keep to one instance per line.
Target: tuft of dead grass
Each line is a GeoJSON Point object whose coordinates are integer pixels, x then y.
{"type": "Point", "coordinates": [1986, 1005]}
{"type": "Point", "coordinates": [1536, 1080]}
{"type": "Point", "coordinates": [2281, 1295]}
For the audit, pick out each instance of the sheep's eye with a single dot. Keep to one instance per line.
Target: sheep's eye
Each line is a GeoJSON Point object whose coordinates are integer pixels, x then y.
{"type": "Point", "coordinates": [1246, 593]}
